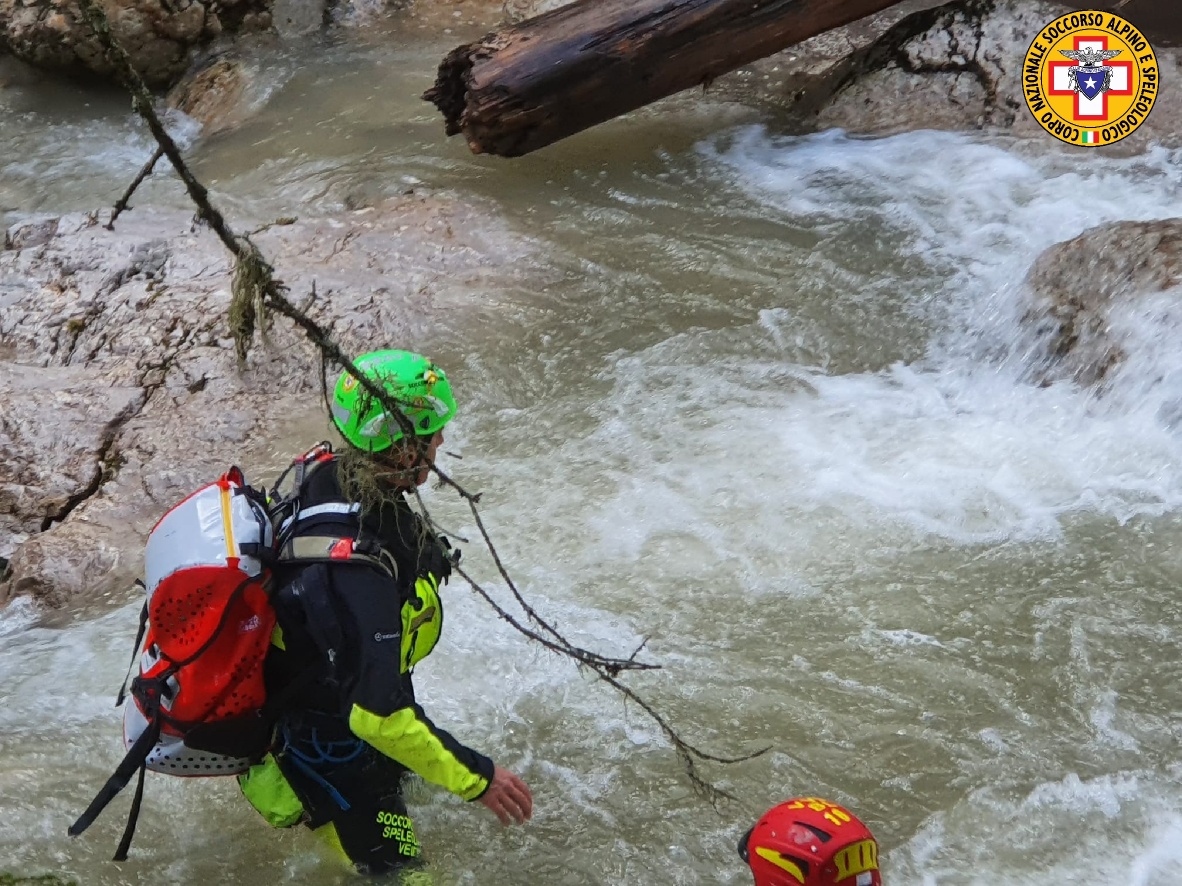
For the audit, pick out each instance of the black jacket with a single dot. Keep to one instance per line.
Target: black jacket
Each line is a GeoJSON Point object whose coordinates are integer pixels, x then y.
{"type": "Point", "coordinates": [351, 632]}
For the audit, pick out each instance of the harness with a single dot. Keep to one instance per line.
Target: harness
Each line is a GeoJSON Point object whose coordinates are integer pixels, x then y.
{"type": "Point", "coordinates": [317, 537]}
{"type": "Point", "coordinates": [293, 546]}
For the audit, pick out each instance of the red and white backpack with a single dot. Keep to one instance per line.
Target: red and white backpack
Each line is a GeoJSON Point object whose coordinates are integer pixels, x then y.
{"type": "Point", "coordinates": [198, 701]}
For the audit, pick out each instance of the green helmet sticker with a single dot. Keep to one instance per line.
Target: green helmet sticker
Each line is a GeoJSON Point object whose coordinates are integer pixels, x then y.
{"type": "Point", "coordinates": [418, 386]}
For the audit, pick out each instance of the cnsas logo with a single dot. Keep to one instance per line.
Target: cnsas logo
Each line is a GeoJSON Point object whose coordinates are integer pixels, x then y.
{"type": "Point", "coordinates": [1090, 78]}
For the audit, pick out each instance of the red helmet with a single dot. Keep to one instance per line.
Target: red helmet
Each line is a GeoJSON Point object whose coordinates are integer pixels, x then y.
{"type": "Point", "coordinates": [811, 842]}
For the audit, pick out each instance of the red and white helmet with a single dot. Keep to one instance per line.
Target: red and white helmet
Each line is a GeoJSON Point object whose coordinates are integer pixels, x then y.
{"type": "Point", "coordinates": [811, 842]}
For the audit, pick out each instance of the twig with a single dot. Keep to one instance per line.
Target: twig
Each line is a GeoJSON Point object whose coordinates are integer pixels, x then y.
{"type": "Point", "coordinates": [142, 102]}
{"type": "Point", "coordinates": [121, 203]}
{"type": "Point", "coordinates": [591, 659]}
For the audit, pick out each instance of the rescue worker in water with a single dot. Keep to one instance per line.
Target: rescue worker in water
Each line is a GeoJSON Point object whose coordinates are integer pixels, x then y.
{"type": "Point", "coordinates": [808, 841]}
{"type": "Point", "coordinates": [352, 627]}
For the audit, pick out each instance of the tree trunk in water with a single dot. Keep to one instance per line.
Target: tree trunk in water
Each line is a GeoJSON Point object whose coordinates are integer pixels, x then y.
{"type": "Point", "coordinates": [525, 87]}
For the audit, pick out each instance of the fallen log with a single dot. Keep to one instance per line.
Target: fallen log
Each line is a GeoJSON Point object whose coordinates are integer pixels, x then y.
{"type": "Point", "coordinates": [530, 85]}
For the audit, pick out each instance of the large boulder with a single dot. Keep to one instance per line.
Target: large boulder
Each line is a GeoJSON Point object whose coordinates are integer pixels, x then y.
{"type": "Point", "coordinates": [1075, 286]}
{"type": "Point", "coordinates": [120, 389]}
{"type": "Point", "coordinates": [951, 67]}
{"type": "Point", "coordinates": [157, 34]}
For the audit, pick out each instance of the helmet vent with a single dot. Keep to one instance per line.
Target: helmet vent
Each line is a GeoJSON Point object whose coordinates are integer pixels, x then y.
{"type": "Point", "coordinates": [821, 835]}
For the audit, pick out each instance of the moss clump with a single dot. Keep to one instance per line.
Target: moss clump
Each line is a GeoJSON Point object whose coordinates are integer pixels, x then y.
{"type": "Point", "coordinates": [7, 879]}
{"type": "Point", "coordinates": [249, 285]}
{"type": "Point", "coordinates": [374, 482]}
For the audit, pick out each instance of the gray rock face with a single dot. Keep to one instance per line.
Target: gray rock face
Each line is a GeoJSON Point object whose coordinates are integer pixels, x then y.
{"type": "Point", "coordinates": [158, 34]}
{"type": "Point", "coordinates": [922, 65]}
{"type": "Point", "coordinates": [120, 391]}
{"type": "Point", "coordinates": [1076, 284]}
{"type": "Point", "coordinates": [954, 66]}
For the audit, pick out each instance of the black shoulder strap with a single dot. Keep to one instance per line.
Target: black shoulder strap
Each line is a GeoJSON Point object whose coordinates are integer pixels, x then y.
{"type": "Point", "coordinates": [311, 594]}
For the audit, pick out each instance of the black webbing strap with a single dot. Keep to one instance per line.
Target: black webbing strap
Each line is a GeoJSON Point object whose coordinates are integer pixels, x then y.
{"type": "Point", "coordinates": [133, 817]}
{"type": "Point", "coordinates": [312, 592]}
{"type": "Point", "coordinates": [135, 651]}
{"type": "Point", "coordinates": [136, 758]}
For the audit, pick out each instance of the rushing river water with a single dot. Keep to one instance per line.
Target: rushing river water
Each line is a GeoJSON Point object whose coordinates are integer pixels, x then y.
{"type": "Point", "coordinates": [773, 412]}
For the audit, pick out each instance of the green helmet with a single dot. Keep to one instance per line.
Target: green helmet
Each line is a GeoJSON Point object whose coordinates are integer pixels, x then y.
{"type": "Point", "coordinates": [418, 385]}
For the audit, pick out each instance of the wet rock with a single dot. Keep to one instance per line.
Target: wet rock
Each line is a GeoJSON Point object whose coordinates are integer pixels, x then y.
{"type": "Point", "coordinates": [158, 34]}
{"type": "Point", "coordinates": [519, 10]}
{"type": "Point", "coordinates": [225, 91]}
{"type": "Point", "coordinates": [28, 234]}
{"type": "Point", "coordinates": [951, 67]}
{"type": "Point", "coordinates": [803, 78]}
{"type": "Point", "coordinates": [915, 66]}
{"type": "Point", "coordinates": [922, 65]}
{"type": "Point", "coordinates": [56, 430]}
{"type": "Point", "coordinates": [294, 18]}
{"type": "Point", "coordinates": [120, 390]}
{"type": "Point", "coordinates": [1075, 285]}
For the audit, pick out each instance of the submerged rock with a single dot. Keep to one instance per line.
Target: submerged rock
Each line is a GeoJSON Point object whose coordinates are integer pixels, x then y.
{"type": "Point", "coordinates": [226, 89]}
{"type": "Point", "coordinates": [120, 390]}
{"type": "Point", "coordinates": [1075, 285]}
{"type": "Point", "coordinates": [213, 95]}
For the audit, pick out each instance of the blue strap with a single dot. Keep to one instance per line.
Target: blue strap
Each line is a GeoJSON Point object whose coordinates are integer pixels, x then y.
{"type": "Point", "coordinates": [320, 780]}
{"type": "Point", "coordinates": [325, 754]}
{"type": "Point", "coordinates": [353, 749]}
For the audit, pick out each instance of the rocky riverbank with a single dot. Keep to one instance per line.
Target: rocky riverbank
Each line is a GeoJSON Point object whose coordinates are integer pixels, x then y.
{"type": "Point", "coordinates": [120, 384]}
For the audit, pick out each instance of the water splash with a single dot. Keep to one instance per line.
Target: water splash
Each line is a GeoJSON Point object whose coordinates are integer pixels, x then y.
{"type": "Point", "coordinates": [961, 443]}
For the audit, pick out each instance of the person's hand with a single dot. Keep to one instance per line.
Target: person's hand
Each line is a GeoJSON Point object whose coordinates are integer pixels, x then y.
{"type": "Point", "coordinates": [508, 797]}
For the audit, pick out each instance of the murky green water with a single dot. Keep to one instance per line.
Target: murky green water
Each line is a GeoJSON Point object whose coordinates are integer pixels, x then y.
{"type": "Point", "coordinates": [770, 411]}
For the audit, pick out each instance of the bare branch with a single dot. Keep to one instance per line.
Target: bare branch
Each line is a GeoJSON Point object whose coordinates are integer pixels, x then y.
{"type": "Point", "coordinates": [122, 204]}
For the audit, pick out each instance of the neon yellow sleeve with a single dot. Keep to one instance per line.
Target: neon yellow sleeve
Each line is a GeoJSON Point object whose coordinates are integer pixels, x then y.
{"type": "Point", "coordinates": [408, 737]}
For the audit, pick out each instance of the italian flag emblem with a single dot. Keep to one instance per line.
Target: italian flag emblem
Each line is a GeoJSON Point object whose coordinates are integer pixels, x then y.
{"type": "Point", "coordinates": [1088, 137]}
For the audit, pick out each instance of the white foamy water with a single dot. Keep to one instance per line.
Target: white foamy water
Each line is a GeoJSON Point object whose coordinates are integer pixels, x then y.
{"type": "Point", "coordinates": [961, 443]}
{"type": "Point", "coordinates": [51, 163]}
